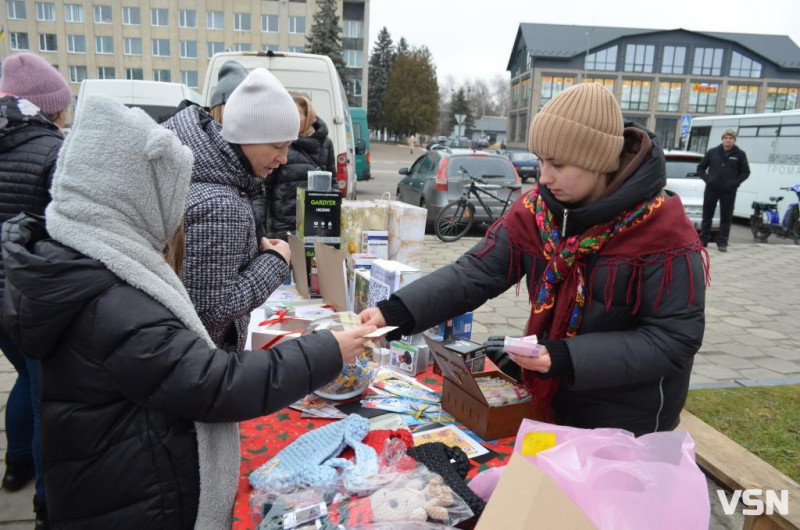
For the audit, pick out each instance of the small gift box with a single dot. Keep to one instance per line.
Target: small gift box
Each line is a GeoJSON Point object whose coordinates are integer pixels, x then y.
{"type": "Point", "coordinates": [277, 329]}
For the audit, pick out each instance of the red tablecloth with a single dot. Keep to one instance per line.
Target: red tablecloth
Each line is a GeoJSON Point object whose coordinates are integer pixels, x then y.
{"type": "Point", "coordinates": [262, 438]}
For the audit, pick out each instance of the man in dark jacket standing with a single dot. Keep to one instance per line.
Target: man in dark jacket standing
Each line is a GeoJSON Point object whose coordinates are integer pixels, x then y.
{"type": "Point", "coordinates": [723, 169]}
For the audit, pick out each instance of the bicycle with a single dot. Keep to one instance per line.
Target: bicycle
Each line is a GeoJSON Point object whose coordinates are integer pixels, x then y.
{"type": "Point", "coordinates": [457, 218]}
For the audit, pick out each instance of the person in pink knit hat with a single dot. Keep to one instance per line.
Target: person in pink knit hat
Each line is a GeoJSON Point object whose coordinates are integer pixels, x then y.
{"type": "Point", "coordinates": [34, 99]}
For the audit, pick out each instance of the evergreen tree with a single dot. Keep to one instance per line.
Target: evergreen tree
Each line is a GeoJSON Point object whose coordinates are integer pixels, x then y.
{"type": "Point", "coordinates": [380, 62]}
{"type": "Point", "coordinates": [460, 105]}
{"type": "Point", "coordinates": [325, 37]}
{"type": "Point", "coordinates": [411, 103]}
{"type": "Point", "coordinates": [402, 46]}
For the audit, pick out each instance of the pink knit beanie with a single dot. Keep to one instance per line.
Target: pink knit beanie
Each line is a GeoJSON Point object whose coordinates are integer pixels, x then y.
{"type": "Point", "coordinates": [28, 76]}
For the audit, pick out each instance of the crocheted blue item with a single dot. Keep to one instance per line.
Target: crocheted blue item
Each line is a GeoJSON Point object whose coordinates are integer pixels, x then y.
{"type": "Point", "coordinates": [311, 459]}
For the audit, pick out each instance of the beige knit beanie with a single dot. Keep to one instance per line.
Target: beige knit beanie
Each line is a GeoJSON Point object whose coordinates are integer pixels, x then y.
{"type": "Point", "coordinates": [581, 126]}
{"type": "Point", "coordinates": [260, 111]}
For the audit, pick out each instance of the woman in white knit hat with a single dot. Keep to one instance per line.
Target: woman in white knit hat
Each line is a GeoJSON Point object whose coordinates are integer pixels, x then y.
{"type": "Point", "coordinates": [227, 271]}
{"type": "Point", "coordinates": [614, 269]}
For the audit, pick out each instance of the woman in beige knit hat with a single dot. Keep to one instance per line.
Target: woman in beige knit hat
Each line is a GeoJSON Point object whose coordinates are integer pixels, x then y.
{"type": "Point", "coordinates": [615, 272]}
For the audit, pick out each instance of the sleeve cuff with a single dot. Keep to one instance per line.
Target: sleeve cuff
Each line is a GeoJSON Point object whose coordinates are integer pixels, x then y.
{"type": "Point", "coordinates": [561, 361]}
{"type": "Point", "coordinates": [275, 253]}
{"type": "Point", "coordinates": [397, 314]}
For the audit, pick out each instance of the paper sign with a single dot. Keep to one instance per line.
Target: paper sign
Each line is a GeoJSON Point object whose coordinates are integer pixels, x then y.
{"type": "Point", "coordinates": [536, 442]}
{"type": "Point", "coordinates": [380, 332]}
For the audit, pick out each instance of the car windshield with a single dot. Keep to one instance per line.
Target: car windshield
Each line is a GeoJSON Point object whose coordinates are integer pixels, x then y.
{"type": "Point", "coordinates": [480, 166]}
{"type": "Point", "coordinates": [519, 156]}
{"type": "Point", "coordinates": [681, 169]}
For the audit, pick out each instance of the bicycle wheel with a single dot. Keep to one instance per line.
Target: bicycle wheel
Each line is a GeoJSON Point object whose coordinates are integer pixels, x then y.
{"type": "Point", "coordinates": [454, 220]}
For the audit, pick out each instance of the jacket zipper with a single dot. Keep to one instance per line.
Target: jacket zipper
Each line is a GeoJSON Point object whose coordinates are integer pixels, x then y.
{"type": "Point", "coordinates": [564, 225]}
{"type": "Point", "coordinates": [661, 403]}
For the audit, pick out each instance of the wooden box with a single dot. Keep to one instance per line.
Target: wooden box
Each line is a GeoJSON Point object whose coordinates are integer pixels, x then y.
{"type": "Point", "coordinates": [462, 397]}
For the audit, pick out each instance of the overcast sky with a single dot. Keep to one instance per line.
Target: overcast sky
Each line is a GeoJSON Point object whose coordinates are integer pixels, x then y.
{"type": "Point", "coordinates": [473, 38]}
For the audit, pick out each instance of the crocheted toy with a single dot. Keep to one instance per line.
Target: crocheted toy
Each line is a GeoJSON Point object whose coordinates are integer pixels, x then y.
{"type": "Point", "coordinates": [400, 441]}
{"type": "Point", "coordinates": [412, 502]}
{"type": "Point", "coordinates": [453, 465]}
{"type": "Point", "coordinates": [309, 460]}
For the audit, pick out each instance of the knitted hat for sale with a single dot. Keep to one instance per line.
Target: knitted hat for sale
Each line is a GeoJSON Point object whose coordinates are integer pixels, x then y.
{"type": "Point", "coordinates": [260, 111]}
{"type": "Point", "coordinates": [453, 465]}
{"type": "Point", "coordinates": [582, 126]}
{"type": "Point", "coordinates": [28, 76]}
{"type": "Point", "coordinates": [310, 460]}
{"type": "Point", "coordinates": [230, 76]}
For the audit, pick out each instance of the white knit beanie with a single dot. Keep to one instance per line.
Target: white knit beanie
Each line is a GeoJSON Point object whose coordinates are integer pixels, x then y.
{"type": "Point", "coordinates": [260, 111]}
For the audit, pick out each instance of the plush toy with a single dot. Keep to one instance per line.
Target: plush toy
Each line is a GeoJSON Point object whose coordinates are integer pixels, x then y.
{"type": "Point", "coordinates": [414, 501]}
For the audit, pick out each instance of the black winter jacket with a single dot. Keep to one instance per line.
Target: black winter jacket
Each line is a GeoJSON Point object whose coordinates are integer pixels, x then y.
{"type": "Point", "coordinates": [631, 371]}
{"type": "Point", "coordinates": [724, 170]}
{"type": "Point", "coordinates": [29, 145]}
{"type": "Point", "coordinates": [305, 154]}
{"type": "Point", "coordinates": [118, 439]}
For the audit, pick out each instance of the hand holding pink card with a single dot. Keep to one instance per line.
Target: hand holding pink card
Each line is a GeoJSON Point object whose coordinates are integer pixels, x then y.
{"type": "Point", "coordinates": [523, 346]}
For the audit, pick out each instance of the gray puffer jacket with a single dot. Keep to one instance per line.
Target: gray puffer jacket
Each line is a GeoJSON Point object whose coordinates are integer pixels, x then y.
{"type": "Point", "coordinates": [223, 271]}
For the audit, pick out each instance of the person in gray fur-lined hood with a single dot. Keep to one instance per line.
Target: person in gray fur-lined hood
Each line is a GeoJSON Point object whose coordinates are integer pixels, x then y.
{"type": "Point", "coordinates": [227, 271]}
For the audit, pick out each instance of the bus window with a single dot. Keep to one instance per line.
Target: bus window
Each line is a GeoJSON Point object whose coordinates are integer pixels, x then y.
{"type": "Point", "coordinates": [698, 139]}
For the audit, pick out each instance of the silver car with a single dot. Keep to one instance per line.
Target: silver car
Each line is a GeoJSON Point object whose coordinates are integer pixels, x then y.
{"type": "Point", "coordinates": [442, 175]}
{"type": "Point", "coordinates": [683, 180]}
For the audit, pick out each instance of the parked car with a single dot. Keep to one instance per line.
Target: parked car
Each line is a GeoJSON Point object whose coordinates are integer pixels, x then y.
{"type": "Point", "coordinates": [683, 180]}
{"type": "Point", "coordinates": [436, 140]}
{"type": "Point", "coordinates": [526, 164]}
{"type": "Point", "coordinates": [358, 115]}
{"type": "Point", "coordinates": [442, 175]}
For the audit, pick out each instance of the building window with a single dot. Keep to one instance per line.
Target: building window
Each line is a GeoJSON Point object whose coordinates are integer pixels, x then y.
{"type": "Point", "coordinates": [353, 29]}
{"type": "Point", "coordinates": [187, 18]}
{"type": "Point", "coordinates": [215, 47]}
{"type": "Point", "coordinates": [781, 98]}
{"type": "Point", "coordinates": [215, 20]}
{"type": "Point", "coordinates": [19, 41]}
{"type": "Point", "coordinates": [189, 49]}
{"type": "Point", "coordinates": [73, 13]}
{"type": "Point", "coordinates": [106, 72]}
{"type": "Point", "coordinates": [102, 15]}
{"type": "Point", "coordinates": [269, 23]}
{"type": "Point", "coordinates": [133, 46]}
{"type": "Point", "coordinates": [104, 45]}
{"type": "Point", "coordinates": [639, 57]}
{"type": "Point", "coordinates": [707, 61]}
{"type": "Point", "coordinates": [605, 81]}
{"type": "Point", "coordinates": [635, 94]}
{"type": "Point", "coordinates": [16, 11]}
{"type": "Point", "coordinates": [165, 76]}
{"type": "Point", "coordinates": [242, 22]}
{"type": "Point", "coordinates": [48, 42]}
{"type": "Point", "coordinates": [669, 96]}
{"type": "Point", "coordinates": [189, 78]}
{"type": "Point", "coordinates": [355, 87]}
{"type": "Point", "coordinates": [297, 49]}
{"type": "Point", "coordinates": [131, 16]}
{"type": "Point", "coordinates": [242, 47]}
{"type": "Point", "coordinates": [136, 74]}
{"type": "Point", "coordinates": [159, 17]}
{"type": "Point", "coordinates": [297, 25]}
{"type": "Point", "coordinates": [353, 58]}
{"type": "Point", "coordinates": [552, 85]}
{"type": "Point", "coordinates": [270, 48]}
{"type": "Point", "coordinates": [76, 44]}
{"type": "Point", "coordinates": [673, 60]}
{"type": "Point", "coordinates": [602, 60]}
{"type": "Point", "coordinates": [703, 98]}
{"type": "Point", "coordinates": [161, 47]}
{"type": "Point", "coordinates": [45, 11]}
{"type": "Point", "coordinates": [742, 66]}
{"type": "Point", "coordinates": [77, 74]}
{"type": "Point", "coordinates": [741, 99]}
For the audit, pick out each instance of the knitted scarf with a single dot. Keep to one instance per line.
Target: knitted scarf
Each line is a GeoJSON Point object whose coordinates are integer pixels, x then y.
{"type": "Point", "coordinates": [559, 296]}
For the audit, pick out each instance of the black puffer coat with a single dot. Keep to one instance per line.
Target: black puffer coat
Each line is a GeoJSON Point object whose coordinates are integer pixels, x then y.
{"type": "Point", "coordinates": [305, 154]}
{"type": "Point", "coordinates": [118, 438]}
{"type": "Point", "coordinates": [29, 145]}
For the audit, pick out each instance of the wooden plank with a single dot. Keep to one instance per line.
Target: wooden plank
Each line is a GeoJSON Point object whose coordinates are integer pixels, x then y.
{"type": "Point", "coordinates": [738, 468]}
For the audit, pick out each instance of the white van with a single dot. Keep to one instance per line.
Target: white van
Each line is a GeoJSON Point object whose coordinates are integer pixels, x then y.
{"type": "Point", "coordinates": [159, 100]}
{"type": "Point", "coordinates": [314, 77]}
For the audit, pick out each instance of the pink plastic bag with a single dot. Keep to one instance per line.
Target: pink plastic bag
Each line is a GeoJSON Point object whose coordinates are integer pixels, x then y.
{"type": "Point", "coordinates": [619, 481]}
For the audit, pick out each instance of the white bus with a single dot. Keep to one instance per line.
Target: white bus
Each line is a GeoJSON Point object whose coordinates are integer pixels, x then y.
{"type": "Point", "coordinates": [772, 144]}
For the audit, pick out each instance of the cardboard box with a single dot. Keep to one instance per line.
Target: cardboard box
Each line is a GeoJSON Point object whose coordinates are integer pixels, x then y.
{"type": "Point", "coordinates": [387, 277]}
{"type": "Point", "coordinates": [462, 397]}
{"type": "Point", "coordinates": [331, 273]}
{"type": "Point", "coordinates": [375, 242]}
{"type": "Point", "coordinates": [358, 216]}
{"type": "Point", "coordinates": [266, 336]}
{"type": "Point", "coordinates": [472, 353]}
{"type": "Point", "coordinates": [318, 216]}
{"type": "Point", "coordinates": [527, 498]}
{"type": "Point", "coordinates": [408, 358]}
{"type": "Point", "coordinates": [459, 327]}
